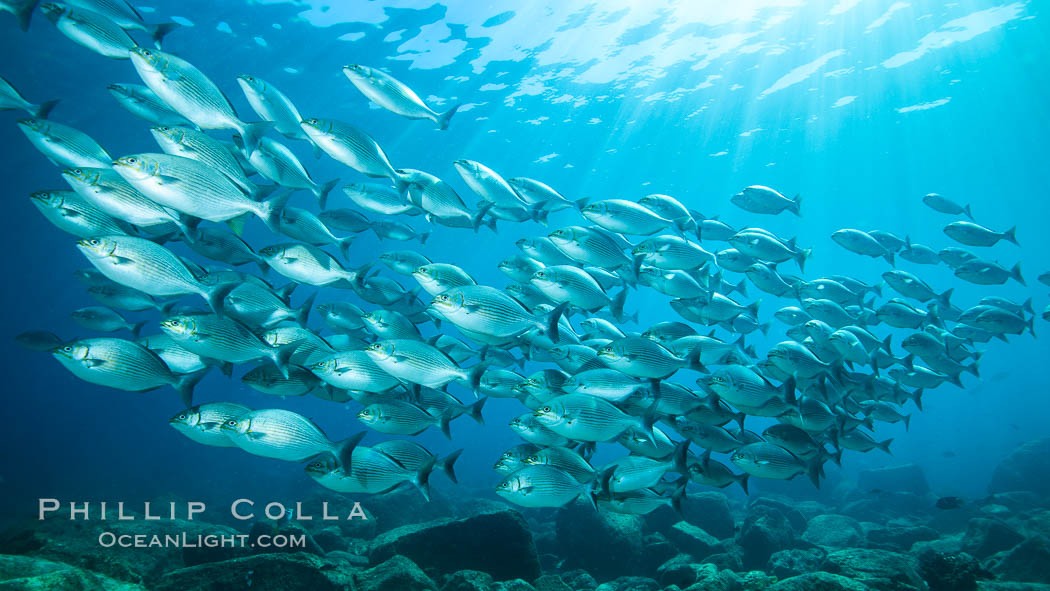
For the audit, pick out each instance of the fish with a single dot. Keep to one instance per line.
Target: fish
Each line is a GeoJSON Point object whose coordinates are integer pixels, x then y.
{"type": "Point", "coordinates": [672, 253]}
{"type": "Point", "coordinates": [542, 486]}
{"type": "Point", "coordinates": [398, 417]}
{"type": "Point", "coordinates": [221, 337]}
{"type": "Point", "coordinates": [585, 418]}
{"type": "Point", "coordinates": [123, 365]}
{"type": "Point", "coordinates": [308, 264]}
{"type": "Point", "coordinates": [353, 370]}
{"type": "Point", "coordinates": [110, 193]}
{"type": "Point", "coordinates": [285, 435]}
{"type": "Point", "coordinates": [11, 99]}
{"type": "Point", "coordinates": [21, 9]}
{"type": "Point", "coordinates": [645, 358]}
{"type": "Point", "coordinates": [861, 242]}
{"type": "Point", "coordinates": [534, 193]}
{"type": "Point", "coordinates": [144, 103]}
{"type": "Point", "coordinates": [203, 423]}
{"type": "Point", "coordinates": [90, 29]}
{"type": "Point", "coordinates": [982, 272]}
{"type": "Point", "coordinates": [767, 460]}
{"type": "Point", "coordinates": [199, 146]}
{"type": "Point", "coordinates": [277, 163]}
{"type": "Point", "coordinates": [760, 199]}
{"type": "Point", "coordinates": [346, 220]}
{"type": "Point", "coordinates": [73, 214]}
{"type": "Point", "coordinates": [190, 93]}
{"type": "Point", "coordinates": [380, 199]}
{"type": "Point", "coordinates": [39, 340]}
{"type": "Point", "coordinates": [405, 262]}
{"type": "Point", "coordinates": [127, 17]}
{"type": "Point", "coordinates": [271, 104]}
{"type": "Point", "coordinates": [488, 184]}
{"type": "Point", "coordinates": [420, 363]}
{"type": "Point", "coordinates": [624, 217]}
{"type": "Point", "coordinates": [353, 147]}
{"type": "Point", "coordinates": [103, 319]}
{"type": "Point", "coordinates": [489, 311]}
{"type": "Point", "coordinates": [194, 188]}
{"type": "Point", "coordinates": [393, 95]}
{"type": "Point", "coordinates": [64, 146]}
{"type": "Point", "coordinates": [437, 278]}
{"type": "Point", "coordinates": [302, 224]}
{"type": "Point", "coordinates": [972, 234]}
{"type": "Point", "coordinates": [766, 247]}
{"type": "Point", "coordinates": [944, 205]}
{"type": "Point", "coordinates": [268, 380]}
{"type": "Point", "coordinates": [141, 264]}
{"type": "Point", "coordinates": [672, 209]}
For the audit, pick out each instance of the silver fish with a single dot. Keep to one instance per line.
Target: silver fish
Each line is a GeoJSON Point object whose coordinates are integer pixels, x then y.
{"type": "Point", "coordinates": [393, 95]}
{"type": "Point", "coordinates": [203, 423]}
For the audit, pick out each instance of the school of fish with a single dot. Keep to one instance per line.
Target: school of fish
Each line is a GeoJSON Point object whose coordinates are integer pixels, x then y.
{"type": "Point", "coordinates": [401, 330]}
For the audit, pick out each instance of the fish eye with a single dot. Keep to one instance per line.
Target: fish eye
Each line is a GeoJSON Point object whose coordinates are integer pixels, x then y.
{"type": "Point", "coordinates": [132, 160]}
{"type": "Point", "coordinates": [232, 422]}
{"type": "Point", "coordinates": [546, 409]}
{"type": "Point", "coordinates": [181, 417]}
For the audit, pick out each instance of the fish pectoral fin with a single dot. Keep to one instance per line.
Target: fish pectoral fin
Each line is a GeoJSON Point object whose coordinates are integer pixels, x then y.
{"type": "Point", "coordinates": [70, 213]}
{"type": "Point", "coordinates": [94, 362]}
{"type": "Point", "coordinates": [254, 435]}
{"type": "Point", "coordinates": [119, 260]}
{"type": "Point", "coordinates": [209, 425]}
{"type": "Point", "coordinates": [472, 308]}
{"type": "Point", "coordinates": [290, 260]}
{"type": "Point", "coordinates": [163, 179]}
{"type": "Point", "coordinates": [525, 490]}
{"type": "Point", "coordinates": [761, 462]}
{"type": "Point", "coordinates": [399, 358]}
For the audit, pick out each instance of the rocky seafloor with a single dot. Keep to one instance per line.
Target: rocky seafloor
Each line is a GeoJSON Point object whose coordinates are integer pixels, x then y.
{"type": "Point", "coordinates": [880, 533]}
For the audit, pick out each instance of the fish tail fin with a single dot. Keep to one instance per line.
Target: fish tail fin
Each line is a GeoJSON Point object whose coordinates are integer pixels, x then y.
{"type": "Point", "coordinates": [474, 379]}
{"type": "Point", "coordinates": [814, 470]}
{"type": "Point", "coordinates": [889, 258]}
{"type": "Point", "coordinates": [539, 214]}
{"type": "Point", "coordinates": [885, 445]}
{"type": "Point", "coordinates": [796, 205]}
{"type": "Point", "coordinates": [916, 397]}
{"type": "Point", "coordinates": [443, 119]}
{"type": "Point", "coordinates": [581, 203]}
{"type": "Point", "coordinates": [24, 12]}
{"type": "Point", "coordinates": [945, 298]}
{"type": "Point", "coordinates": [1027, 306]}
{"type": "Point", "coordinates": [967, 212]}
{"type": "Point", "coordinates": [344, 246]}
{"type": "Point", "coordinates": [270, 210]}
{"type": "Point", "coordinates": [741, 287]}
{"type": "Point", "coordinates": [1015, 274]}
{"type": "Point", "coordinates": [802, 257]}
{"type": "Point", "coordinates": [886, 344]}
{"type": "Point", "coordinates": [1011, 235]}
{"type": "Point", "coordinates": [616, 306]}
{"type": "Point", "coordinates": [264, 267]}
{"type": "Point", "coordinates": [421, 480]}
{"type": "Point", "coordinates": [1031, 326]}
{"type": "Point", "coordinates": [475, 411]}
{"type": "Point", "coordinates": [42, 110]}
{"type": "Point", "coordinates": [216, 295]}
{"type": "Point", "coordinates": [765, 326]}
{"type": "Point", "coordinates": [877, 289]}
{"type": "Point", "coordinates": [479, 217]}
{"type": "Point", "coordinates": [448, 465]}
{"type": "Point", "coordinates": [972, 368]}
{"type": "Point", "coordinates": [692, 360]}
{"type": "Point", "coordinates": [907, 422]}
{"type": "Point", "coordinates": [423, 237]}
{"type": "Point", "coordinates": [742, 480]}
{"type": "Point", "coordinates": [136, 328]}
{"type": "Point", "coordinates": [185, 385]}
{"type": "Point", "coordinates": [251, 133]}
{"type": "Point", "coordinates": [681, 457]}
{"type": "Point", "coordinates": [677, 496]}
{"type": "Point", "coordinates": [323, 191]}
{"type": "Point", "coordinates": [303, 313]}
{"type": "Point", "coordinates": [550, 324]}
{"type": "Point", "coordinates": [282, 355]}
{"type": "Point", "coordinates": [158, 31]}
{"type": "Point", "coordinates": [789, 391]}
{"type": "Point", "coordinates": [344, 450]}
{"type": "Point", "coordinates": [753, 307]}
{"type": "Point", "coordinates": [444, 423]}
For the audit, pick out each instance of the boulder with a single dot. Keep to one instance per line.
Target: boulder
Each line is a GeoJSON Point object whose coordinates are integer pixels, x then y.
{"type": "Point", "coordinates": [949, 572]}
{"type": "Point", "coordinates": [498, 543]}
{"type": "Point", "coordinates": [886, 505]}
{"type": "Point", "coordinates": [630, 584]}
{"type": "Point", "coordinates": [880, 570]}
{"type": "Point", "coordinates": [263, 572]}
{"type": "Point", "coordinates": [985, 537]}
{"type": "Point", "coordinates": [708, 510]}
{"type": "Point", "coordinates": [27, 572]}
{"type": "Point", "coordinates": [900, 537]}
{"type": "Point", "coordinates": [1037, 524]}
{"type": "Point", "coordinates": [797, 561]}
{"type": "Point", "coordinates": [396, 574]}
{"type": "Point", "coordinates": [1006, 586]}
{"type": "Point", "coordinates": [710, 578]}
{"type": "Point", "coordinates": [1025, 468]}
{"type": "Point", "coordinates": [579, 579]}
{"type": "Point", "coordinates": [680, 571]}
{"type": "Point", "coordinates": [693, 540]}
{"type": "Point", "coordinates": [550, 583]}
{"type": "Point", "coordinates": [77, 543]}
{"type": "Point", "coordinates": [468, 580]}
{"type": "Point", "coordinates": [797, 519]}
{"type": "Point", "coordinates": [818, 581]}
{"type": "Point", "coordinates": [513, 585]}
{"type": "Point", "coordinates": [607, 545]}
{"type": "Point", "coordinates": [765, 531]}
{"type": "Point", "coordinates": [834, 531]}
{"type": "Point", "coordinates": [1027, 562]}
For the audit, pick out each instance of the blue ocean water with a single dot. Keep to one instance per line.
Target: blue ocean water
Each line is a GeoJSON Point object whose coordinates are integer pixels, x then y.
{"type": "Point", "coordinates": [861, 107]}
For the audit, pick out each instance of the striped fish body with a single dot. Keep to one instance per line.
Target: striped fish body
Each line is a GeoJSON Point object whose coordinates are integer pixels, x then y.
{"type": "Point", "coordinates": [514, 458]}
{"type": "Point", "coordinates": [141, 264]}
{"type": "Point", "coordinates": [416, 362]}
{"type": "Point", "coordinates": [564, 459]}
{"type": "Point", "coordinates": [351, 146]}
{"type": "Point", "coordinates": [305, 264]}
{"type": "Point", "coordinates": [115, 363]}
{"type": "Point", "coordinates": [269, 380]}
{"type": "Point", "coordinates": [545, 250]}
{"type": "Point", "coordinates": [73, 214]}
{"type": "Point", "coordinates": [673, 252]}
{"type": "Point", "coordinates": [388, 92]}
{"type": "Point", "coordinates": [397, 417]}
{"type": "Point", "coordinates": [185, 89]}
{"type": "Point", "coordinates": [187, 185]}
{"type": "Point", "coordinates": [635, 502]}
{"type": "Point", "coordinates": [435, 196]}
{"type": "Point", "coordinates": [767, 460]}
{"type": "Point", "coordinates": [203, 423]}
{"type": "Point", "coordinates": [540, 486]}
{"type": "Point", "coordinates": [63, 145]}
{"type": "Point", "coordinates": [199, 146]}
{"type": "Point", "coordinates": [380, 199]}
{"type": "Point", "coordinates": [609, 384]}
{"type": "Point", "coordinates": [488, 184]}
{"type": "Point", "coordinates": [216, 337]}
{"type": "Point", "coordinates": [529, 428]}
{"type": "Point", "coordinates": [742, 386]}
{"type": "Point", "coordinates": [277, 433]}
{"type": "Point", "coordinates": [91, 30]}
{"type": "Point", "coordinates": [584, 418]}
{"type": "Point", "coordinates": [276, 162]}
{"type": "Point", "coordinates": [485, 310]}
{"type": "Point", "coordinates": [223, 246]}
{"type": "Point", "coordinates": [566, 283]}
{"type": "Point", "coordinates": [641, 358]}
{"type": "Point", "coordinates": [176, 357]}
{"type": "Point", "coordinates": [144, 103]}
{"type": "Point", "coordinates": [635, 473]}
{"type": "Point", "coordinates": [302, 224]}
{"type": "Point", "coordinates": [255, 305]}
{"type": "Point", "coordinates": [708, 436]}
{"type": "Point", "coordinates": [353, 370]}
{"type": "Point", "coordinates": [115, 196]}
{"type": "Point", "coordinates": [436, 278]}
{"type": "Point", "coordinates": [271, 104]}
{"type": "Point", "coordinates": [624, 217]}
{"type": "Point", "coordinates": [590, 247]}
